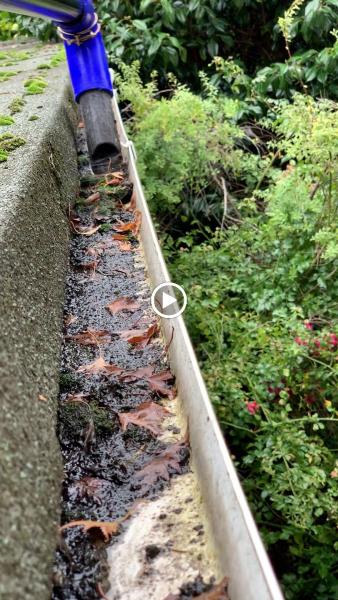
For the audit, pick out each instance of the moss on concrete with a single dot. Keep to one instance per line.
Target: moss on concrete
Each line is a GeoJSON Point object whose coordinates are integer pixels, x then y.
{"type": "Point", "coordinates": [6, 120]}
{"type": "Point", "coordinates": [35, 85]}
{"type": "Point", "coordinates": [4, 75]}
{"type": "Point", "coordinates": [9, 58]}
{"type": "Point", "coordinates": [8, 143]}
{"type": "Point", "coordinates": [34, 195]}
{"type": "Point", "coordinates": [16, 105]}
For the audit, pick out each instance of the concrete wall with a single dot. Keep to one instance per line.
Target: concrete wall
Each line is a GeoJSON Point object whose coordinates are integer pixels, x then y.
{"type": "Point", "coordinates": [36, 185]}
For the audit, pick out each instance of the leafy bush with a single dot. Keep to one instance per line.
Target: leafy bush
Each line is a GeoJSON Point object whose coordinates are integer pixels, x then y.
{"type": "Point", "coordinates": [262, 299]}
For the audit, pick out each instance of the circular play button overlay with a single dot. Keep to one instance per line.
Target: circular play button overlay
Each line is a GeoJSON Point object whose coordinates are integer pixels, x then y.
{"type": "Point", "coordinates": [169, 300]}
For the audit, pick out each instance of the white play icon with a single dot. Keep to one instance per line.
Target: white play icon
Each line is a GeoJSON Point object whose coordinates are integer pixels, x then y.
{"type": "Point", "coordinates": [167, 300]}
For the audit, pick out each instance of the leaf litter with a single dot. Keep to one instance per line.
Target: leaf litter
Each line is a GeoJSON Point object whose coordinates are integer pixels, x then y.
{"type": "Point", "coordinates": [110, 420]}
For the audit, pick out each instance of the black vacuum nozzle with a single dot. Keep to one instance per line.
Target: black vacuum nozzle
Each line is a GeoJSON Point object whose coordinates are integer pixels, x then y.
{"type": "Point", "coordinates": [101, 133]}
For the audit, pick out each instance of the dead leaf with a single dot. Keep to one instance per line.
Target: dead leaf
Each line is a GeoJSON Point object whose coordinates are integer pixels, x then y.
{"type": "Point", "coordinates": [99, 366]}
{"type": "Point", "coordinates": [218, 592]}
{"type": "Point", "coordinates": [141, 373]}
{"type": "Point", "coordinates": [114, 178]}
{"type": "Point", "coordinates": [92, 199]}
{"type": "Point", "coordinates": [101, 592]}
{"type": "Point", "coordinates": [77, 398]}
{"type": "Point", "coordinates": [69, 319]}
{"type": "Point", "coordinates": [148, 415]}
{"type": "Point", "coordinates": [122, 304]}
{"type": "Point", "coordinates": [42, 398]}
{"type": "Point", "coordinates": [89, 265]}
{"type": "Point", "coordinates": [83, 230]}
{"type": "Point", "coordinates": [139, 337]}
{"type": "Point", "coordinates": [123, 246]}
{"type": "Point", "coordinates": [119, 236]}
{"type": "Point", "coordinates": [133, 226]}
{"type": "Point", "coordinates": [107, 528]}
{"type": "Point", "coordinates": [131, 206]}
{"type": "Point", "coordinates": [89, 487]}
{"type": "Point", "coordinates": [81, 125]}
{"type": "Point", "coordinates": [162, 466]}
{"type": "Point", "coordinates": [90, 337]}
{"type": "Point", "coordinates": [157, 382]}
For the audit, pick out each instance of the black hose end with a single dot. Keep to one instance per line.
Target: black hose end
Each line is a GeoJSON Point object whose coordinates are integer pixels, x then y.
{"type": "Point", "coordinates": [102, 140]}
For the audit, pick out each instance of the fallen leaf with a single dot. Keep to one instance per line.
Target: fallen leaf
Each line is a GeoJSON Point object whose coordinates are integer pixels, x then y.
{"type": "Point", "coordinates": [139, 337]}
{"type": "Point", "coordinates": [89, 265]}
{"type": "Point", "coordinates": [148, 415]}
{"type": "Point", "coordinates": [114, 178]}
{"type": "Point", "coordinates": [162, 466]}
{"type": "Point", "coordinates": [77, 398]}
{"type": "Point", "coordinates": [123, 246]}
{"type": "Point", "coordinates": [92, 199]}
{"type": "Point", "coordinates": [133, 226]}
{"type": "Point", "coordinates": [119, 236]}
{"type": "Point", "coordinates": [141, 373]}
{"type": "Point", "coordinates": [157, 382]}
{"type": "Point", "coordinates": [101, 592]}
{"type": "Point", "coordinates": [132, 204]}
{"type": "Point", "coordinates": [89, 487]}
{"type": "Point", "coordinates": [99, 366]}
{"type": "Point", "coordinates": [106, 528]}
{"type": "Point", "coordinates": [69, 319]}
{"type": "Point", "coordinates": [42, 398]}
{"type": "Point", "coordinates": [122, 304]}
{"type": "Point", "coordinates": [91, 337]}
{"type": "Point", "coordinates": [83, 230]}
{"type": "Point", "coordinates": [81, 125]}
{"type": "Point", "coordinates": [217, 592]}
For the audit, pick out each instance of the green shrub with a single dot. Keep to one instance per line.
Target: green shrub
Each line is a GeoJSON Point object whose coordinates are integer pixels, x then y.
{"type": "Point", "coordinates": [263, 297]}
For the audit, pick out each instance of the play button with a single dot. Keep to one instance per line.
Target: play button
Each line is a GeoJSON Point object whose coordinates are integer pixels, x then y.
{"type": "Point", "coordinates": [168, 300]}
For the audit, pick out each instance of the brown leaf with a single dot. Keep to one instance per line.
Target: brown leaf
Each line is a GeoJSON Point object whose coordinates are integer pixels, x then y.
{"type": "Point", "coordinates": [119, 236]}
{"type": "Point", "coordinates": [77, 398]}
{"type": "Point", "coordinates": [133, 226]}
{"type": "Point", "coordinates": [69, 319]}
{"type": "Point", "coordinates": [139, 337]}
{"type": "Point", "coordinates": [122, 304]}
{"type": "Point", "coordinates": [81, 125]}
{"type": "Point", "coordinates": [114, 178]}
{"type": "Point", "coordinates": [42, 398]}
{"type": "Point", "coordinates": [148, 415]}
{"type": "Point", "coordinates": [91, 337]}
{"type": "Point", "coordinates": [92, 199]}
{"type": "Point", "coordinates": [164, 464]}
{"type": "Point", "coordinates": [89, 266]}
{"type": "Point", "coordinates": [124, 246]}
{"type": "Point", "coordinates": [141, 373]}
{"type": "Point", "coordinates": [105, 527]}
{"type": "Point", "coordinates": [131, 206]}
{"type": "Point", "coordinates": [89, 487]}
{"type": "Point", "coordinates": [218, 592]}
{"type": "Point", "coordinates": [99, 366]}
{"type": "Point", "coordinates": [157, 382]}
{"type": "Point", "coordinates": [83, 230]}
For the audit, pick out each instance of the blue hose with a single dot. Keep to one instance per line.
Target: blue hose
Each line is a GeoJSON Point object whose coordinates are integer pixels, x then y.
{"type": "Point", "coordinates": [86, 55]}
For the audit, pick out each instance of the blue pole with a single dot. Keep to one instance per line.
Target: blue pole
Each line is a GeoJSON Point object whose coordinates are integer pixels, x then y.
{"type": "Point", "coordinates": [78, 26]}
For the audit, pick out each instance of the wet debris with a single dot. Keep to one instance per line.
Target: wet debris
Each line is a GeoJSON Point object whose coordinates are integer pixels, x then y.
{"type": "Point", "coordinates": [202, 591]}
{"type": "Point", "coordinates": [114, 385]}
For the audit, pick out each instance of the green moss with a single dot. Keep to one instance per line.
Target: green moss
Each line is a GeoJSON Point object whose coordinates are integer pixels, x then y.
{"type": "Point", "coordinates": [67, 381]}
{"type": "Point", "coordinates": [16, 105]}
{"type": "Point", "coordinates": [43, 66]}
{"type": "Point", "coordinates": [58, 58]}
{"type": "Point", "coordinates": [6, 120]}
{"type": "Point", "coordinates": [35, 85]}
{"type": "Point", "coordinates": [4, 75]}
{"type": "Point", "coordinates": [9, 58]}
{"type": "Point", "coordinates": [8, 143]}
{"type": "Point", "coordinates": [33, 118]}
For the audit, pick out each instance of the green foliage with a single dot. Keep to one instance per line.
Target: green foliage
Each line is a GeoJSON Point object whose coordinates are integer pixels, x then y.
{"type": "Point", "coordinates": [8, 26]}
{"type": "Point", "coordinates": [4, 75]}
{"type": "Point", "coordinates": [263, 296]}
